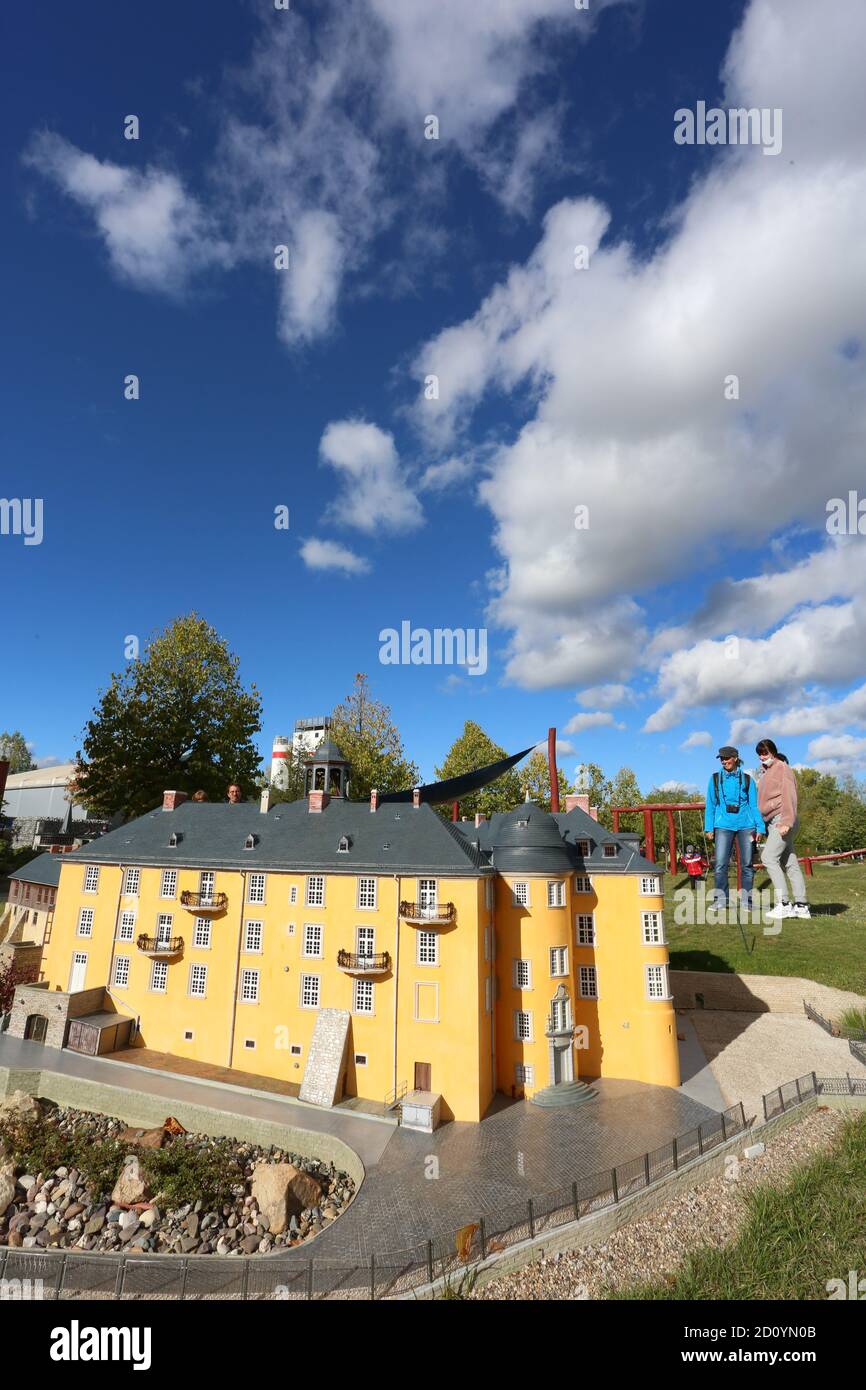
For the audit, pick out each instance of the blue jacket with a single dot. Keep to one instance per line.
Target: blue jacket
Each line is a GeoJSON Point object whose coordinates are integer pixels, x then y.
{"type": "Point", "coordinates": [732, 788]}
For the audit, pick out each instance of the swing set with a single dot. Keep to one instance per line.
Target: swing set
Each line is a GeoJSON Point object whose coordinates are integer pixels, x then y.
{"type": "Point", "coordinates": [667, 808]}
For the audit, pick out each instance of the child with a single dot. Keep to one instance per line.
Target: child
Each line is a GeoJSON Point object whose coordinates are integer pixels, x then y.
{"type": "Point", "coordinates": [693, 861]}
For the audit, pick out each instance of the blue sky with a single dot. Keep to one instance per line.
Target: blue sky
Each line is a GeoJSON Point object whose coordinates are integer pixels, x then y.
{"type": "Point", "coordinates": [705, 599]}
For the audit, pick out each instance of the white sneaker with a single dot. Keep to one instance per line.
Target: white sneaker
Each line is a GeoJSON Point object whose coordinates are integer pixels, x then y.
{"type": "Point", "coordinates": [780, 910]}
{"type": "Point", "coordinates": [801, 910]}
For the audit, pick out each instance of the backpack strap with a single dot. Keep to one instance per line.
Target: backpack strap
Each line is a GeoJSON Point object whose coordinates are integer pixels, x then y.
{"type": "Point", "coordinates": [716, 788]}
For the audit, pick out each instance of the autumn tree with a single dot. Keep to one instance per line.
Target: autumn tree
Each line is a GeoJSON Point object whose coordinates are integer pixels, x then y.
{"type": "Point", "coordinates": [624, 791]}
{"type": "Point", "coordinates": [472, 750]}
{"type": "Point", "coordinates": [177, 718]}
{"type": "Point", "coordinates": [366, 734]}
{"type": "Point", "coordinates": [14, 751]}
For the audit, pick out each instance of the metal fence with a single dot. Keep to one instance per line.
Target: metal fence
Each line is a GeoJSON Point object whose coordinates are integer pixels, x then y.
{"type": "Point", "coordinates": [836, 1030]}
{"type": "Point", "coordinates": [71, 1274]}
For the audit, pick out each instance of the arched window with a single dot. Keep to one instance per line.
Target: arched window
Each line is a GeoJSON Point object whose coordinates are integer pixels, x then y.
{"type": "Point", "coordinates": [319, 779]}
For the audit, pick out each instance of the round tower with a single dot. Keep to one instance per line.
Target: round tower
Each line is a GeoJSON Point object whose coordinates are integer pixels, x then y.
{"type": "Point", "coordinates": [279, 761]}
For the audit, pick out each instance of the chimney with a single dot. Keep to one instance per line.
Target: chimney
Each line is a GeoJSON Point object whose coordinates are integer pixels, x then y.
{"type": "Point", "coordinates": [416, 797]}
{"type": "Point", "coordinates": [265, 803]}
{"type": "Point", "coordinates": [479, 818]}
{"type": "Point", "coordinates": [580, 800]}
{"type": "Point", "coordinates": [318, 801]}
{"type": "Point", "coordinates": [171, 800]}
{"type": "Point", "coordinates": [374, 799]}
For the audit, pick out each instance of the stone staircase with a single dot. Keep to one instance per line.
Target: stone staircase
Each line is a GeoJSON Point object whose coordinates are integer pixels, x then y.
{"type": "Point", "coordinates": [566, 1093]}
{"type": "Point", "coordinates": [323, 1074]}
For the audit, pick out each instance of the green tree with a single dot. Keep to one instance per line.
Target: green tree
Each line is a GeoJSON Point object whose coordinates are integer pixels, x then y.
{"type": "Point", "coordinates": [14, 750]}
{"type": "Point", "coordinates": [365, 733]}
{"type": "Point", "coordinates": [178, 718]}
{"type": "Point", "coordinates": [473, 749]}
{"type": "Point", "coordinates": [624, 791]}
{"type": "Point", "coordinates": [534, 778]}
{"type": "Point", "coordinates": [591, 781]}
{"type": "Point", "coordinates": [688, 825]}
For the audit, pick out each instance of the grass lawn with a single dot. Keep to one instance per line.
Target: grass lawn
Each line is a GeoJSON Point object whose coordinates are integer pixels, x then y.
{"type": "Point", "coordinates": [796, 1237]}
{"type": "Point", "coordinates": [831, 948]}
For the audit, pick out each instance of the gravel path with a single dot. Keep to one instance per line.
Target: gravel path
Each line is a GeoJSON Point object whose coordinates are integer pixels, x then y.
{"type": "Point", "coordinates": [653, 1246]}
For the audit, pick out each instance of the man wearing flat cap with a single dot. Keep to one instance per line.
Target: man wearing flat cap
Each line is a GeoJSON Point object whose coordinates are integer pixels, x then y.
{"type": "Point", "coordinates": [732, 813]}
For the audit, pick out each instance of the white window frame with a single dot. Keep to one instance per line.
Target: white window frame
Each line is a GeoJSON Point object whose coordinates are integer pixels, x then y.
{"type": "Point", "coordinates": [206, 885]}
{"type": "Point", "coordinates": [83, 912]}
{"type": "Point", "coordinates": [363, 992]}
{"type": "Point", "coordinates": [556, 898]}
{"type": "Point", "coordinates": [126, 925]}
{"type": "Point", "coordinates": [91, 878]}
{"type": "Point", "coordinates": [584, 925]}
{"type": "Point", "coordinates": [293, 893]}
{"type": "Point", "coordinates": [524, 1074]}
{"type": "Point", "coordinates": [305, 990]}
{"type": "Point", "coordinates": [587, 980]}
{"type": "Point", "coordinates": [516, 964]}
{"type": "Point", "coordinates": [521, 886]}
{"type": "Point", "coordinates": [249, 986]}
{"type": "Point", "coordinates": [365, 941]}
{"type": "Point", "coordinates": [131, 883]}
{"type": "Point", "coordinates": [158, 971]}
{"type": "Point", "coordinates": [582, 883]}
{"type": "Point", "coordinates": [558, 955]}
{"type": "Point", "coordinates": [78, 958]}
{"type": "Point", "coordinates": [520, 1035]}
{"type": "Point", "coordinates": [648, 886]}
{"type": "Point", "coordinates": [258, 931]}
{"type": "Point", "coordinates": [609, 850]}
{"type": "Point", "coordinates": [582, 847]}
{"type": "Point", "coordinates": [320, 953]}
{"type": "Point", "coordinates": [258, 882]}
{"type": "Point", "coordinates": [164, 926]}
{"type": "Point", "coordinates": [428, 902]}
{"type": "Point", "coordinates": [117, 982]}
{"type": "Point", "coordinates": [315, 897]}
{"type": "Point", "coordinates": [661, 991]}
{"type": "Point", "coordinates": [426, 985]}
{"type": "Point", "coordinates": [202, 928]}
{"type": "Point", "coordinates": [364, 892]}
{"type": "Point", "coordinates": [168, 879]}
{"type": "Point", "coordinates": [197, 971]}
{"type": "Point", "coordinates": [427, 945]}
{"type": "Point", "coordinates": [652, 928]}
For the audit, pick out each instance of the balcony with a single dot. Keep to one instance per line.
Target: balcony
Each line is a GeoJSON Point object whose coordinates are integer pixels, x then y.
{"type": "Point", "coordinates": [204, 902]}
{"type": "Point", "coordinates": [428, 914]}
{"type": "Point", "coordinates": [354, 964]}
{"type": "Point", "coordinates": [160, 946]}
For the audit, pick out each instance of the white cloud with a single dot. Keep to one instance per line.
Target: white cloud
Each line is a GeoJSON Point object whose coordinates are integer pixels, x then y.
{"type": "Point", "coordinates": [627, 362]}
{"type": "Point", "coordinates": [156, 234]}
{"type": "Point", "coordinates": [701, 738]}
{"type": "Point", "coordinates": [439, 476]}
{"type": "Point", "coordinates": [607, 696]}
{"type": "Point", "coordinates": [375, 495]}
{"type": "Point", "coordinates": [807, 719]}
{"type": "Point", "coordinates": [599, 719]}
{"type": "Point", "coordinates": [837, 754]}
{"type": "Point", "coordinates": [329, 555]}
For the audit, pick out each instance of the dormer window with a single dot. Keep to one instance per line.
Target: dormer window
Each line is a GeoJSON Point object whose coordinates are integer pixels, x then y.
{"type": "Point", "coordinates": [583, 847]}
{"type": "Point", "coordinates": [174, 840]}
{"type": "Point", "coordinates": [609, 851]}
{"type": "Point", "coordinates": [250, 842]}
{"type": "Point", "coordinates": [522, 824]}
{"type": "Point", "coordinates": [343, 846]}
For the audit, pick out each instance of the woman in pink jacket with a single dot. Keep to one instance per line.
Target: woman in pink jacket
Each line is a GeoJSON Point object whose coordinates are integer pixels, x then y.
{"type": "Point", "coordinates": [777, 802]}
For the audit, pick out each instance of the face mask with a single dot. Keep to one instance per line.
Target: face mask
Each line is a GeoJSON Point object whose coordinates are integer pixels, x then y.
{"type": "Point", "coordinates": [767, 759]}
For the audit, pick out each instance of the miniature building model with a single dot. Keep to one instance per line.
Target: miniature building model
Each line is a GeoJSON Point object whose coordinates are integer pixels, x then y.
{"type": "Point", "coordinates": [374, 949]}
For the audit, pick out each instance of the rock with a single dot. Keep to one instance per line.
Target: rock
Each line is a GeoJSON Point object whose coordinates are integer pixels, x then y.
{"type": "Point", "coordinates": [192, 1223]}
{"type": "Point", "coordinates": [26, 1181]}
{"type": "Point", "coordinates": [250, 1244]}
{"type": "Point", "coordinates": [74, 1209]}
{"type": "Point", "coordinates": [131, 1186]}
{"type": "Point", "coordinates": [7, 1189]}
{"type": "Point", "coordinates": [282, 1190]}
{"type": "Point", "coordinates": [19, 1106]}
{"type": "Point", "coordinates": [127, 1232]}
{"type": "Point", "coordinates": [15, 1240]}
{"type": "Point", "coordinates": [127, 1219]}
{"type": "Point", "coordinates": [96, 1222]}
{"type": "Point", "coordinates": [149, 1217]}
{"type": "Point", "coordinates": [188, 1244]}
{"type": "Point", "coordinates": [143, 1138]}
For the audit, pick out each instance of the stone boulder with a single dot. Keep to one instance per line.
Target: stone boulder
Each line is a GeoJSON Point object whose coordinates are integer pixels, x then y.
{"type": "Point", "coordinates": [19, 1106]}
{"type": "Point", "coordinates": [281, 1191]}
{"type": "Point", "coordinates": [7, 1188]}
{"type": "Point", "coordinates": [131, 1186]}
{"type": "Point", "coordinates": [143, 1138]}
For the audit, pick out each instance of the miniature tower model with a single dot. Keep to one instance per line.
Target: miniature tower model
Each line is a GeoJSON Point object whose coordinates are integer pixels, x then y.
{"type": "Point", "coordinates": [279, 761]}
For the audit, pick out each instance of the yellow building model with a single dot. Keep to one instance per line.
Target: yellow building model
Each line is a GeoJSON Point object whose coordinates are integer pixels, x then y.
{"type": "Point", "coordinates": [371, 949]}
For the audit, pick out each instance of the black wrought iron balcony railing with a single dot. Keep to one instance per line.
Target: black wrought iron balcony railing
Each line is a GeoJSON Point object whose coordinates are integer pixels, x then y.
{"type": "Point", "coordinates": [428, 913]}
{"type": "Point", "coordinates": [204, 902]}
{"type": "Point", "coordinates": [364, 964]}
{"type": "Point", "coordinates": [160, 945]}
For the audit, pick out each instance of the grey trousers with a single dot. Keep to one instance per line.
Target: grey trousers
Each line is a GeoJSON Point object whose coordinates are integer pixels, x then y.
{"type": "Point", "coordinates": [779, 859]}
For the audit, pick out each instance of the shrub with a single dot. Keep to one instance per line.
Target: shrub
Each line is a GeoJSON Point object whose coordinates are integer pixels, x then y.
{"type": "Point", "coordinates": [179, 1174]}
{"type": "Point", "coordinates": [40, 1147]}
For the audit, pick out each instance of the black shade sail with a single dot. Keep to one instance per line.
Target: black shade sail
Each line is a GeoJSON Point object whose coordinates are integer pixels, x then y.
{"type": "Point", "coordinates": [456, 787]}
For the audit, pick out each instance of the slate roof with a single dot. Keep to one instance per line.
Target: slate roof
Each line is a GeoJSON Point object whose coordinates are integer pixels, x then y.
{"type": "Point", "coordinates": [44, 869]}
{"type": "Point", "coordinates": [500, 840]}
{"type": "Point", "coordinates": [394, 839]}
